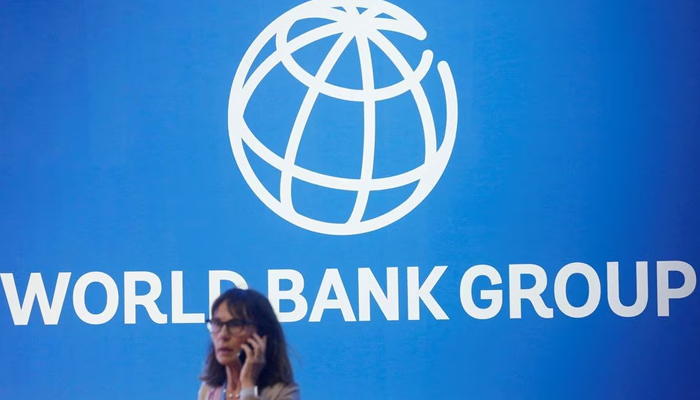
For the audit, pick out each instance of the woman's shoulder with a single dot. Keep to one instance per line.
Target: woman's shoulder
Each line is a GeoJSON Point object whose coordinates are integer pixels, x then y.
{"type": "Point", "coordinates": [281, 391]}
{"type": "Point", "coordinates": [278, 391]}
{"type": "Point", "coordinates": [205, 392]}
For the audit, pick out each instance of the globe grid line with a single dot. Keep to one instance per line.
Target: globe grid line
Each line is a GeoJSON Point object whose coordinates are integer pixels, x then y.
{"type": "Point", "coordinates": [362, 27]}
{"type": "Point", "coordinates": [312, 176]}
{"type": "Point", "coordinates": [302, 116]}
{"type": "Point", "coordinates": [368, 144]}
{"type": "Point", "coordinates": [417, 90]}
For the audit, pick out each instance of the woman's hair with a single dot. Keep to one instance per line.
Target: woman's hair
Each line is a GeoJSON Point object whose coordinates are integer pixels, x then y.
{"type": "Point", "coordinates": [253, 306]}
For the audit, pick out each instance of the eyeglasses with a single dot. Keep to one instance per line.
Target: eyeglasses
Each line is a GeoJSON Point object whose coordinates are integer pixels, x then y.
{"type": "Point", "coordinates": [233, 326]}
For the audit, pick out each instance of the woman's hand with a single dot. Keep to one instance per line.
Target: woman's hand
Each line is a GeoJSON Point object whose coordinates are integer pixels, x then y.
{"type": "Point", "coordinates": [254, 349]}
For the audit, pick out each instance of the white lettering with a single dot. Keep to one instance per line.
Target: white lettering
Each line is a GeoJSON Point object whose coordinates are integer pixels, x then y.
{"type": "Point", "coordinates": [418, 293]}
{"type": "Point", "coordinates": [331, 280]}
{"type": "Point", "coordinates": [148, 300]}
{"type": "Point", "coordinates": [494, 295]}
{"type": "Point", "coordinates": [614, 290]}
{"type": "Point", "coordinates": [533, 294]}
{"type": "Point", "coordinates": [179, 316]}
{"type": "Point", "coordinates": [275, 294]}
{"type": "Point", "coordinates": [111, 304]}
{"type": "Point", "coordinates": [388, 302]}
{"type": "Point", "coordinates": [594, 291]}
{"type": "Point", "coordinates": [664, 292]}
{"type": "Point", "coordinates": [215, 279]}
{"type": "Point", "coordinates": [50, 312]}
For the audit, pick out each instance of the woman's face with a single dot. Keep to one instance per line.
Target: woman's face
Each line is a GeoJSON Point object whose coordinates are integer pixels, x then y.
{"type": "Point", "coordinates": [227, 341]}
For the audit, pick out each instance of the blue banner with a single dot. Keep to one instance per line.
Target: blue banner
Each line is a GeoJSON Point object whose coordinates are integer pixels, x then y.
{"type": "Point", "coordinates": [443, 199]}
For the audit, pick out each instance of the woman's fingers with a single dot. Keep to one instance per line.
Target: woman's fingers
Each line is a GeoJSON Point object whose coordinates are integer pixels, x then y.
{"type": "Point", "coordinates": [255, 348]}
{"type": "Point", "coordinates": [258, 345]}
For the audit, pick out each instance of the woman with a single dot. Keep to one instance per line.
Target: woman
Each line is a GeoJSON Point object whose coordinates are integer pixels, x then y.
{"type": "Point", "coordinates": [248, 354]}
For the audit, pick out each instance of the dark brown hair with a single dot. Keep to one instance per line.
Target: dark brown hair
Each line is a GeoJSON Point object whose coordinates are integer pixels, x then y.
{"type": "Point", "coordinates": [253, 306]}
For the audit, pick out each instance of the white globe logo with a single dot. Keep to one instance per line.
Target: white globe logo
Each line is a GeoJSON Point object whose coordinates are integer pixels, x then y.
{"type": "Point", "coordinates": [362, 21]}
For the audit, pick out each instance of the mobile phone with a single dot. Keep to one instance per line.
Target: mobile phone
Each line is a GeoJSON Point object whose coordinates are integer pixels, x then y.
{"type": "Point", "coordinates": [241, 356]}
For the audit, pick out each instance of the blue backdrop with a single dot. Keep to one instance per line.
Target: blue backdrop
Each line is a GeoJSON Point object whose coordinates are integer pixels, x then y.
{"type": "Point", "coordinates": [576, 141]}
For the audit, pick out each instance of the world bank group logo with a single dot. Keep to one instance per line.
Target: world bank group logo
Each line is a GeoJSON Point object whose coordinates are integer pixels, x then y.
{"type": "Point", "coordinates": [362, 29]}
